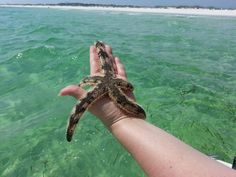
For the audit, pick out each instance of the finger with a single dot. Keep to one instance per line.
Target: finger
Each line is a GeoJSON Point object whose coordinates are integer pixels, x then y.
{"type": "Point", "coordinates": [111, 57]}
{"type": "Point", "coordinates": [73, 90]}
{"type": "Point", "coordinates": [120, 69]}
{"type": "Point", "coordinates": [94, 61]}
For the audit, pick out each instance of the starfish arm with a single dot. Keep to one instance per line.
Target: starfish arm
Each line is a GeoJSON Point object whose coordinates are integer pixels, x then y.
{"type": "Point", "coordinates": [123, 84]}
{"type": "Point", "coordinates": [90, 80]}
{"type": "Point", "coordinates": [125, 103]}
{"type": "Point", "coordinates": [81, 107]}
{"type": "Point", "coordinates": [106, 63]}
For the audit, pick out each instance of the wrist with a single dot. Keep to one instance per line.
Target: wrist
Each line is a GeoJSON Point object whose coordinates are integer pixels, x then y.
{"type": "Point", "coordinates": [126, 121]}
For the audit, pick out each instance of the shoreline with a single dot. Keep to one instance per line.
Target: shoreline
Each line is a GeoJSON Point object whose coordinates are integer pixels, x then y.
{"type": "Point", "coordinates": [171, 10]}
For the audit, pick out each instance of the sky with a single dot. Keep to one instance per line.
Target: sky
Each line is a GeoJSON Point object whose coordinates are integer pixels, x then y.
{"type": "Point", "coordinates": [214, 3]}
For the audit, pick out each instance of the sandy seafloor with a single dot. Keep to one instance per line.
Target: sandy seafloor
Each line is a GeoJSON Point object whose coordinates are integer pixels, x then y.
{"type": "Point", "coordinates": [182, 67]}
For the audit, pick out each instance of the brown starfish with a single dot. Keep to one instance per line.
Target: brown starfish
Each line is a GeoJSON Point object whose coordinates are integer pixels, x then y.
{"type": "Point", "coordinates": [106, 84]}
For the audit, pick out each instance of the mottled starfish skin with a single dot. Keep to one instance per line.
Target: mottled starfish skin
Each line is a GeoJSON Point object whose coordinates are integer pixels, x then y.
{"type": "Point", "coordinates": [106, 84]}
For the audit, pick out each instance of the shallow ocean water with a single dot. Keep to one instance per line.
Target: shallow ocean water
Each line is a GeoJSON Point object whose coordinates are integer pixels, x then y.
{"type": "Point", "coordinates": [183, 69]}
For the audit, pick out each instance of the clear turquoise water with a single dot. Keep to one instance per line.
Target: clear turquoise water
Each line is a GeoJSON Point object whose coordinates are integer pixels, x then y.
{"type": "Point", "coordinates": [183, 69]}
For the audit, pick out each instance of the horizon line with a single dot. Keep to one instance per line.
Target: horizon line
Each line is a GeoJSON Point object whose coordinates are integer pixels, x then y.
{"type": "Point", "coordinates": [116, 5]}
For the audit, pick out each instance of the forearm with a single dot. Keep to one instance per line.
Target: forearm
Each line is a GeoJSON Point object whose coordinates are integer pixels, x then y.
{"type": "Point", "coordinates": [161, 154]}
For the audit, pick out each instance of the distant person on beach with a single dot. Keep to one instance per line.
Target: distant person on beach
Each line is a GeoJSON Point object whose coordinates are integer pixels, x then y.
{"type": "Point", "coordinates": [157, 152]}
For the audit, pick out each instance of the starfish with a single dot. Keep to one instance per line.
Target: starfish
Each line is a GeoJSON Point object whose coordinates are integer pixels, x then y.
{"type": "Point", "coordinates": [105, 84]}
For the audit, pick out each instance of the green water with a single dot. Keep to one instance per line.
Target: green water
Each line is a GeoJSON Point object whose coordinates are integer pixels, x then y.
{"type": "Point", "coordinates": [183, 69]}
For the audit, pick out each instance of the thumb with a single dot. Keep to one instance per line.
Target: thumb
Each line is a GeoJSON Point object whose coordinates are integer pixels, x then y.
{"type": "Point", "coordinates": [73, 90]}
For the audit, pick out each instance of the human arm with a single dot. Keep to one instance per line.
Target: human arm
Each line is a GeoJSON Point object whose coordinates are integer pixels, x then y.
{"type": "Point", "coordinates": [161, 154]}
{"type": "Point", "coordinates": [157, 152]}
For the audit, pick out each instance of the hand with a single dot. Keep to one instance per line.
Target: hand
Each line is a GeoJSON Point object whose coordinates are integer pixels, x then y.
{"type": "Point", "coordinates": [104, 108]}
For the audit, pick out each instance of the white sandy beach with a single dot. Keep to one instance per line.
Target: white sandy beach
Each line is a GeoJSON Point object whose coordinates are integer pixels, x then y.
{"type": "Point", "coordinates": [183, 11]}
